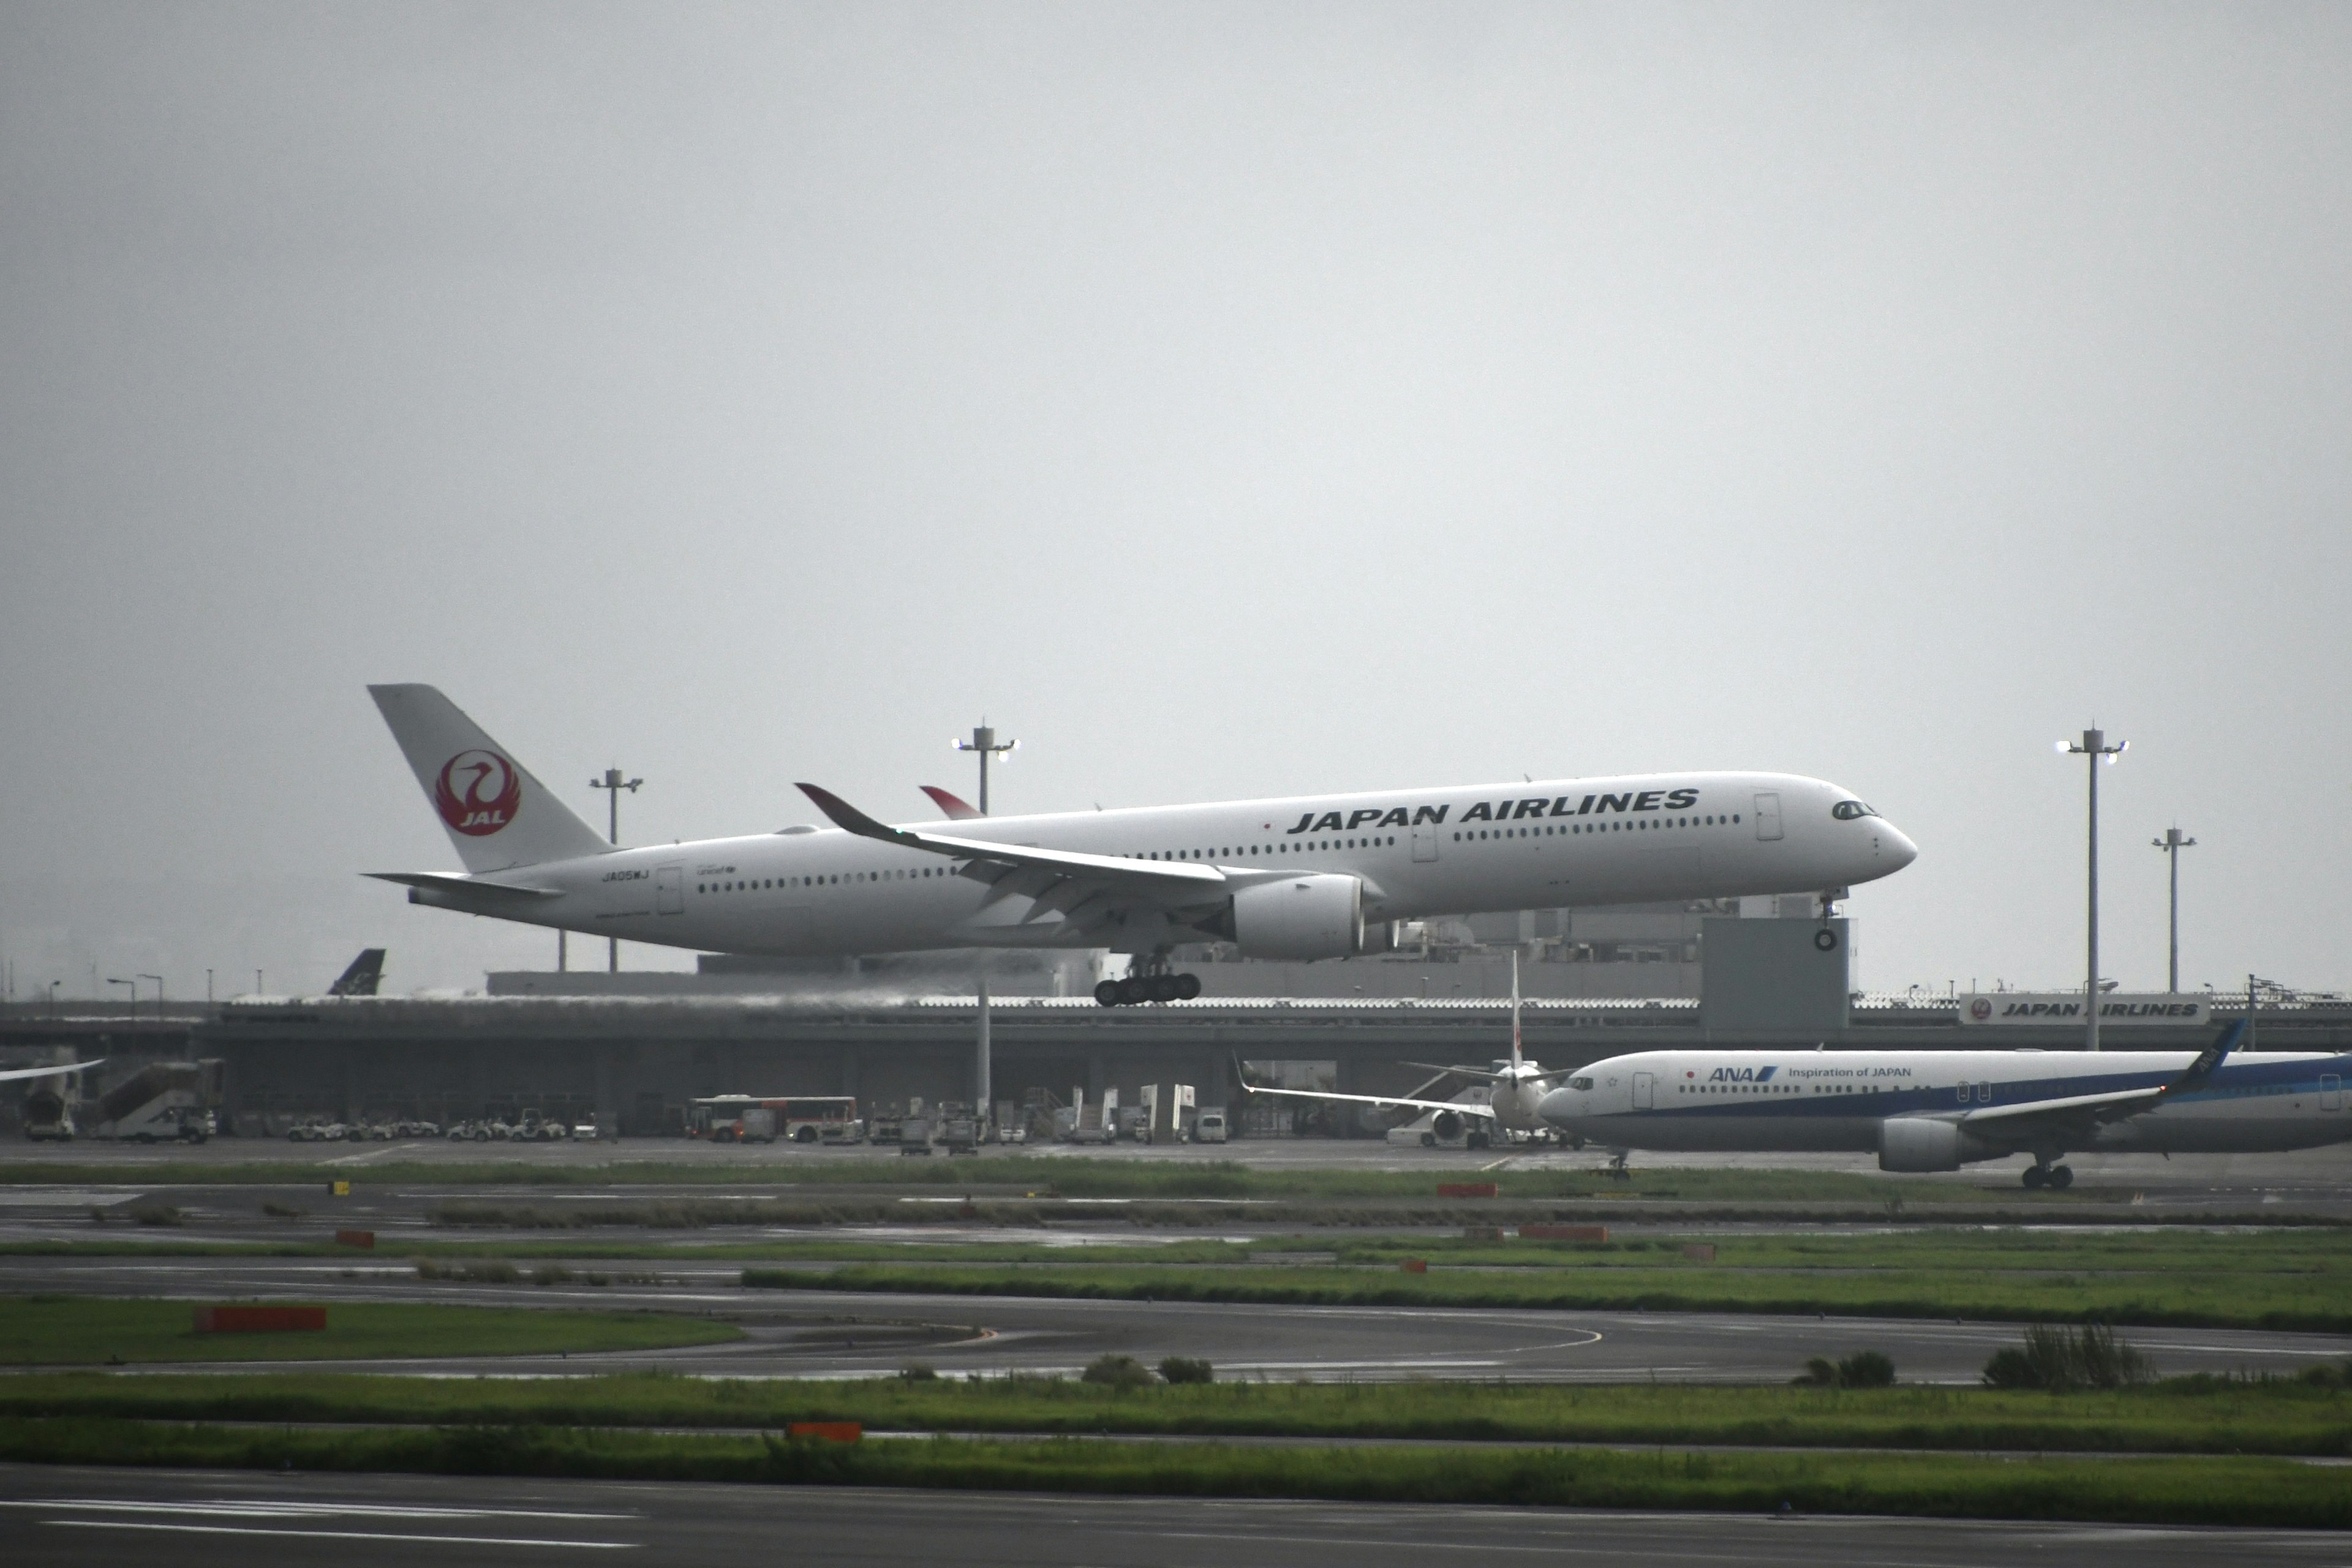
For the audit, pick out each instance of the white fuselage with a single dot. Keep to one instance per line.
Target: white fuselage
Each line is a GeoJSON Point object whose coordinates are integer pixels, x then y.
{"type": "Point", "coordinates": [1417, 852]}
{"type": "Point", "coordinates": [1756, 1101]}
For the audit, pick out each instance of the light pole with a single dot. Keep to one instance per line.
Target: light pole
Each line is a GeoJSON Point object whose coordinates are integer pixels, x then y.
{"type": "Point", "coordinates": [983, 741]}
{"type": "Point", "coordinates": [2172, 844]}
{"type": "Point", "coordinates": [111, 980]}
{"type": "Point", "coordinates": [2095, 747]}
{"type": "Point", "coordinates": [612, 783]}
{"type": "Point", "coordinates": [159, 996]}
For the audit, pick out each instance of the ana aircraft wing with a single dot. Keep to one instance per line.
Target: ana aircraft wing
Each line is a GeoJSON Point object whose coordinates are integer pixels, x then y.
{"type": "Point", "coordinates": [14, 1073]}
{"type": "Point", "coordinates": [1471, 1109]}
{"type": "Point", "coordinates": [2082, 1111]}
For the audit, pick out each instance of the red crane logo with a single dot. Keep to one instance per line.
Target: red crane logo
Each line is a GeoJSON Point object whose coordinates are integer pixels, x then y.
{"type": "Point", "coordinates": [478, 792]}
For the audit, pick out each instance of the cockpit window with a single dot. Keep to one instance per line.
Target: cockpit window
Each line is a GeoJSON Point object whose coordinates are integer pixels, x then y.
{"type": "Point", "coordinates": [1580, 1083]}
{"type": "Point", "coordinates": [1847, 810]}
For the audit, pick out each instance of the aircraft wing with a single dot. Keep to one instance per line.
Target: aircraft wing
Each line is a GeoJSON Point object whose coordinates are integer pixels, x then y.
{"type": "Point", "coordinates": [1167, 881]}
{"type": "Point", "coordinates": [1472, 1109]}
{"type": "Point", "coordinates": [2084, 1111]}
{"type": "Point", "coordinates": [14, 1073]}
{"type": "Point", "coordinates": [952, 806]}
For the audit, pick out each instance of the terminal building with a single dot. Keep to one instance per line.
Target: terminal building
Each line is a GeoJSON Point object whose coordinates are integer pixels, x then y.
{"type": "Point", "coordinates": [631, 1052]}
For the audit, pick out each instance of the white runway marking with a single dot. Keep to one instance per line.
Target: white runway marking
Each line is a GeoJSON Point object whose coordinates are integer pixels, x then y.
{"type": "Point", "coordinates": [335, 1534]}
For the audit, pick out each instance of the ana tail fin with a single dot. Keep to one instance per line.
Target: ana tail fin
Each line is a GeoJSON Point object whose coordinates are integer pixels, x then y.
{"type": "Point", "coordinates": [498, 815]}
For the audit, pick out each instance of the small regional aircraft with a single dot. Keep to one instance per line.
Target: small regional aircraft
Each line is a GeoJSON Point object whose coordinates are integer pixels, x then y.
{"type": "Point", "coordinates": [1936, 1110]}
{"type": "Point", "coordinates": [1515, 1090]}
{"type": "Point", "coordinates": [1309, 878]}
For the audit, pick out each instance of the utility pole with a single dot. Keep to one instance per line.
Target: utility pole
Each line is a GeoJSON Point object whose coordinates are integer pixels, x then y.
{"type": "Point", "coordinates": [159, 996]}
{"type": "Point", "coordinates": [612, 783]}
{"type": "Point", "coordinates": [983, 741]}
{"type": "Point", "coordinates": [2095, 747]}
{"type": "Point", "coordinates": [133, 985]}
{"type": "Point", "coordinates": [2172, 844]}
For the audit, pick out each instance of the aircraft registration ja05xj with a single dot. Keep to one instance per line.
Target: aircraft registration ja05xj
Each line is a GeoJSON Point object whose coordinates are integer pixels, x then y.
{"type": "Point", "coordinates": [1310, 877]}
{"type": "Point", "coordinates": [1935, 1110]}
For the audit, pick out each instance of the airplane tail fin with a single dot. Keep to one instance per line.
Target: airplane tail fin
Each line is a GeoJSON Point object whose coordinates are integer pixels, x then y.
{"type": "Point", "coordinates": [365, 974]}
{"type": "Point", "coordinates": [954, 808]}
{"type": "Point", "coordinates": [498, 815]}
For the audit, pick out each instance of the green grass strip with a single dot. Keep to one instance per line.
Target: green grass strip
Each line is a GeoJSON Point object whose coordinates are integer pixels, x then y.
{"type": "Point", "coordinates": [2201, 1490]}
{"type": "Point", "coordinates": [2213, 1300]}
{"type": "Point", "coordinates": [51, 1331]}
{"type": "Point", "coordinates": [2185, 1416]}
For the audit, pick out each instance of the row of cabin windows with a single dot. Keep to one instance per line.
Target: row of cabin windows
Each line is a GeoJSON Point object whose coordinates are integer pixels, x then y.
{"type": "Point", "coordinates": [1774, 1088]}
{"type": "Point", "coordinates": [1548, 829]}
{"type": "Point", "coordinates": [1249, 849]}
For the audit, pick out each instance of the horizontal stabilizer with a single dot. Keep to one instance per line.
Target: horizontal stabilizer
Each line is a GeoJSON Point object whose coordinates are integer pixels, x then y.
{"type": "Point", "coordinates": [442, 882]}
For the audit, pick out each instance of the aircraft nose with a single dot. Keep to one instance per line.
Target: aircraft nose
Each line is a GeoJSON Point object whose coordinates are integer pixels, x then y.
{"type": "Point", "coordinates": [1897, 850]}
{"type": "Point", "coordinates": [1557, 1105]}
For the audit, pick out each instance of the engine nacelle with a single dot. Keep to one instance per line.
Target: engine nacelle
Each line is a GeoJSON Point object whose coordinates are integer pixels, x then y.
{"type": "Point", "coordinates": [1917, 1144]}
{"type": "Point", "coordinates": [1317, 916]}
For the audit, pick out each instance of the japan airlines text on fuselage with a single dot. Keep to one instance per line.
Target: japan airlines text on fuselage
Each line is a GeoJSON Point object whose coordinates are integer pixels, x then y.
{"type": "Point", "coordinates": [1313, 876]}
{"type": "Point", "coordinates": [1935, 1110]}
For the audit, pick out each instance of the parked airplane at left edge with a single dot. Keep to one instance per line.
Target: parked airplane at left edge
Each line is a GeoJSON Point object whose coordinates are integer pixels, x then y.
{"type": "Point", "coordinates": [1306, 877]}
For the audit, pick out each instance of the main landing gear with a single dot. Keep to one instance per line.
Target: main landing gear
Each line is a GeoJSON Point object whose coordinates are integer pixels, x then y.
{"type": "Point", "coordinates": [2058, 1176]}
{"type": "Point", "coordinates": [1153, 986]}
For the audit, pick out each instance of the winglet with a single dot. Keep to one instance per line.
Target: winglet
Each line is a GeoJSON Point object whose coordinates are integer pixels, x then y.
{"type": "Point", "coordinates": [2209, 1060]}
{"type": "Point", "coordinates": [954, 807]}
{"type": "Point", "coordinates": [849, 819]}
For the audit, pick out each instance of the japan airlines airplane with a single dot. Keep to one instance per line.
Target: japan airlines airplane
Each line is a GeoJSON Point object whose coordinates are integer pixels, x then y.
{"type": "Point", "coordinates": [1933, 1111]}
{"type": "Point", "coordinates": [1307, 878]}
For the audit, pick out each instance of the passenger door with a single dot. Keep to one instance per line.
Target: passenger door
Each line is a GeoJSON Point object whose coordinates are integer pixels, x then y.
{"type": "Point", "coordinates": [669, 890]}
{"type": "Point", "coordinates": [1645, 1090]}
{"type": "Point", "coordinates": [2331, 1092]}
{"type": "Point", "coordinates": [1424, 841]}
{"type": "Point", "coordinates": [1768, 814]}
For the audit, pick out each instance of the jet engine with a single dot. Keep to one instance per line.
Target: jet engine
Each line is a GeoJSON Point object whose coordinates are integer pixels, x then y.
{"type": "Point", "coordinates": [1917, 1144]}
{"type": "Point", "coordinates": [1314, 916]}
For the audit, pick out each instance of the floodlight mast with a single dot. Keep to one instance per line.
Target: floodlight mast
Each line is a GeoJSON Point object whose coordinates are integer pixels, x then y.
{"type": "Point", "coordinates": [613, 783]}
{"type": "Point", "coordinates": [983, 741]}
{"type": "Point", "coordinates": [2093, 746]}
{"type": "Point", "coordinates": [2172, 844]}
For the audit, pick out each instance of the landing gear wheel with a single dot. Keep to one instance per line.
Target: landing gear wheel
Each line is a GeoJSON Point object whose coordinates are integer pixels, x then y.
{"type": "Point", "coordinates": [2062, 1176]}
{"type": "Point", "coordinates": [1187, 987]}
{"type": "Point", "coordinates": [1107, 993]}
{"type": "Point", "coordinates": [2036, 1176]}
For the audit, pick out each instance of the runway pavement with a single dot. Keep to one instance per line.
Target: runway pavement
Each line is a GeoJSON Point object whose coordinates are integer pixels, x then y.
{"type": "Point", "coordinates": [852, 1334]}
{"type": "Point", "coordinates": [72, 1516]}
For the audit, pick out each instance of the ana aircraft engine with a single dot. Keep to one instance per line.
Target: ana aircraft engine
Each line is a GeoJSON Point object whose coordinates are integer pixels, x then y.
{"type": "Point", "coordinates": [1916, 1143]}
{"type": "Point", "coordinates": [1309, 917]}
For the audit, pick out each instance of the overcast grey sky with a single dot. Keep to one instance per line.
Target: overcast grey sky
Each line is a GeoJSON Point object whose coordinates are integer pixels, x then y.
{"type": "Point", "coordinates": [1226, 400]}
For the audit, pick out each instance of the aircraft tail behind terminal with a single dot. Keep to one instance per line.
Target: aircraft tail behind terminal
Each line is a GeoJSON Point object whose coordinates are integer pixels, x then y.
{"type": "Point", "coordinates": [498, 815]}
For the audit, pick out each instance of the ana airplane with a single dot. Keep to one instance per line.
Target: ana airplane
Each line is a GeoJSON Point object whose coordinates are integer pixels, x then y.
{"type": "Point", "coordinates": [1514, 1094]}
{"type": "Point", "coordinates": [1308, 878]}
{"type": "Point", "coordinates": [1935, 1110]}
